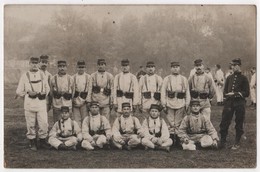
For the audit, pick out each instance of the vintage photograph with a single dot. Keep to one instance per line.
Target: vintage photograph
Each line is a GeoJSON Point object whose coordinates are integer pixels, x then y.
{"type": "Point", "coordinates": [129, 86]}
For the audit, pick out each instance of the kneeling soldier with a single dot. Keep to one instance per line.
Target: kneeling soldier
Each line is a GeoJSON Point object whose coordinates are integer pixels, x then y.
{"type": "Point", "coordinates": [65, 134]}
{"type": "Point", "coordinates": [96, 129]}
{"type": "Point", "coordinates": [196, 128]}
{"type": "Point", "coordinates": [126, 129]}
{"type": "Point", "coordinates": [156, 133]}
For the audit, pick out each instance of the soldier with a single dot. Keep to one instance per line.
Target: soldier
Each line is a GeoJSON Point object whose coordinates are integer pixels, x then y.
{"type": "Point", "coordinates": [175, 97]}
{"type": "Point", "coordinates": [44, 62]}
{"type": "Point", "coordinates": [81, 82]}
{"type": "Point", "coordinates": [62, 88]}
{"type": "Point", "coordinates": [96, 129]}
{"type": "Point", "coordinates": [156, 133]}
{"type": "Point", "coordinates": [100, 88]}
{"type": "Point", "coordinates": [236, 89]}
{"type": "Point", "coordinates": [34, 88]}
{"type": "Point", "coordinates": [140, 73]}
{"type": "Point", "coordinates": [202, 88]}
{"type": "Point", "coordinates": [253, 87]}
{"type": "Point", "coordinates": [150, 87]}
{"type": "Point", "coordinates": [126, 129]}
{"type": "Point", "coordinates": [125, 89]}
{"type": "Point", "coordinates": [219, 81]}
{"type": "Point", "coordinates": [195, 128]}
{"type": "Point", "coordinates": [65, 134]}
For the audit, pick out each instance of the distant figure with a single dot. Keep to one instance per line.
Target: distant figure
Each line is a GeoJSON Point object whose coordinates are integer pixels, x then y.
{"type": "Point", "coordinates": [253, 87]}
{"type": "Point", "coordinates": [140, 73]}
{"type": "Point", "coordinates": [219, 81]}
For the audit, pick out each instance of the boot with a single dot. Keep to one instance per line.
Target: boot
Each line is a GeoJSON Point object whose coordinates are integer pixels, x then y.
{"type": "Point", "coordinates": [223, 143]}
{"type": "Point", "coordinates": [33, 144]}
{"type": "Point", "coordinates": [43, 144]}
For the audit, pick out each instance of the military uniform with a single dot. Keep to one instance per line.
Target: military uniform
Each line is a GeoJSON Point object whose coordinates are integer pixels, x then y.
{"type": "Point", "coordinates": [65, 132]}
{"type": "Point", "coordinates": [150, 91]}
{"type": "Point", "coordinates": [44, 60]}
{"type": "Point", "coordinates": [156, 132]}
{"type": "Point", "coordinates": [81, 82]}
{"type": "Point", "coordinates": [219, 80]}
{"type": "Point", "coordinates": [62, 88]}
{"type": "Point", "coordinates": [236, 89]}
{"type": "Point", "coordinates": [126, 89]}
{"type": "Point", "coordinates": [197, 129]}
{"type": "Point", "coordinates": [100, 89]}
{"type": "Point", "coordinates": [175, 96]}
{"type": "Point", "coordinates": [202, 88]}
{"type": "Point", "coordinates": [34, 105]}
{"type": "Point", "coordinates": [96, 130]}
{"type": "Point", "coordinates": [126, 131]}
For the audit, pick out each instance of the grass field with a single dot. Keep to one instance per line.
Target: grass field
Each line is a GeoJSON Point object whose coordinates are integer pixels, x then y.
{"type": "Point", "coordinates": [17, 154]}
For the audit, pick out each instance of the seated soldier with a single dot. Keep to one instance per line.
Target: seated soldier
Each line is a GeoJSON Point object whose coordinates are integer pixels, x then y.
{"type": "Point", "coordinates": [156, 133]}
{"type": "Point", "coordinates": [96, 130]}
{"type": "Point", "coordinates": [65, 134]}
{"type": "Point", "coordinates": [126, 129]}
{"type": "Point", "coordinates": [195, 128]}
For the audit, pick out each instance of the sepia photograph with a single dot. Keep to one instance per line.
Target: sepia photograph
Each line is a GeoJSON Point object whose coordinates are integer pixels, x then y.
{"type": "Point", "coordinates": [119, 86]}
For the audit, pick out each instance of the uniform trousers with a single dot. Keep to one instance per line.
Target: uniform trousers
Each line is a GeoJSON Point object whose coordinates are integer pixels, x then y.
{"type": "Point", "coordinates": [151, 144]}
{"type": "Point", "coordinates": [232, 108]}
{"type": "Point", "coordinates": [41, 118]}
{"type": "Point", "coordinates": [99, 140]}
{"type": "Point", "coordinates": [79, 113]}
{"type": "Point", "coordinates": [68, 141]}
{"type": "Point", "coordinates": [175, 117]}
{"type": "Point", "coordinates": [132, 140]}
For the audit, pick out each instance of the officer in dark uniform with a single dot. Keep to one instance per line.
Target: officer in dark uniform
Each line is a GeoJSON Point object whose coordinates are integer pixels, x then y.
{"type": "Point", "coordinates": [235, 91]}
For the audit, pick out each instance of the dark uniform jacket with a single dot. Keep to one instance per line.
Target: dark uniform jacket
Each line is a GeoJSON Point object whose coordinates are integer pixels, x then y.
{"type": "Point", "coordinates": [237, 83]}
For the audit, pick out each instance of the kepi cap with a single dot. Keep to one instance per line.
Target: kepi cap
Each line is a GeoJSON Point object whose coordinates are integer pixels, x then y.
{"type": "Point", "coordinates": [150, 64]}
{"type": "Point", "coordinates": [62, 62]}
{"type": "Point", "coordinates": [126, 104]}
{"type": "Point", "coordinates": [198, 62]}
{"type": "Point", "coordinates": [81, 63]}
{"type": "Point", "coordinates": [64, 109]}
{"type": "Point", "coordinates": [175, 64]}
{"type": "Point", "coordinates": [155, 106]}
{"type": "Point", "coordinates": [101, 61]}
{"type": "Point", "coordinates": [125, 62]}
{"type": "Point", "coordinates": [194, 102]}
{"type": "Point", "coordinates": [34, 59]}
{"type": "Point", "coordinates": [236, 61]}
{"type": "Point", "coordinates": [94, 103]}
{"type": "Point", "coordinates": [44, 57]}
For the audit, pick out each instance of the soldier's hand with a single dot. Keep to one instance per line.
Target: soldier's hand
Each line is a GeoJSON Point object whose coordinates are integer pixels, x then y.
{"type": "Point", "coordinates": [141, 134]}
{"type": "Point", "coordinates": [215, 143]}
{"type": "Point", "coordinates": [115, 107]}
{"type": "Point", "coordinates": [159, 141]}
{"type": "Point", "coordinates": [154, 139]}
{"type": "Point", "coordinates": [186, 141]}
{"type": "Point", "coordinates": [165, 110]}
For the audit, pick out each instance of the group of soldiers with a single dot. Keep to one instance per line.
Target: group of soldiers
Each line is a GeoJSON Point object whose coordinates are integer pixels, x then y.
{"type": "Point", "coordinates": [82, 105]}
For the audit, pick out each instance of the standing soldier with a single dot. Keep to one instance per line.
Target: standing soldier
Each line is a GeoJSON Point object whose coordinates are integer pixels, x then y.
{"type": "Point", "coordinates": [62, 88]}
{"type": "Point", "coordinates": [150, 87]}
{"type": "Point", "coordinates": [219, 80]}
{"type": "Point", "coordinates": [235, 91]}
{"type": "Point", "coordinates": [175, 97]}
{"type": "Point", "coordinates": [44, 62]}
{"type": "Point", "coordinates": [81, 82]}
{"type": "Point", "coordinates": [34, 87]}
{"type": "Point", "coordinates": [253, 87]}
{"type": "Point", "coordinates": [202, 88]}
{"type": "Point", "coordinates": [100, 88]}
{"type": "Point", "coordinates": [125, 88]}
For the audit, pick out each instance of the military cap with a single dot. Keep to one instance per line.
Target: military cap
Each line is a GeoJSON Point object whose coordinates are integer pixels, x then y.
{"type": "Point", "coordinates": [236, 61]}
{"type": "Point", "coordinates": [218, 66]}
{"type": "Point", "coordinates": [198, 62]}
{"type": "Point", "coordinates": [62, 62]}
{"type": "Point", "coordinates": [126, 104]}
{"type": "Point", "coordinates": [101, 61]}
{"type": "Point", "coordinates": [44, 57]}
{"type": "Point", "coordinates": [94, 103]}
{"type": "Point", "coordinates": [175, 64]}
{"type": "Point", "coordinates": [81, 63]}
{"type": "Point", "coordinates": [150, 64]}
{"type": "Point", "coordinates": [155, 106]}
{"type": "Point", "coordinates": [34, 59]}
{"type": "Point", "coordinates": [194, 102]}
{"type": "Point", "coordinates": [64, 109]}
{"type": "Point", "coordinates": [125, 62]}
